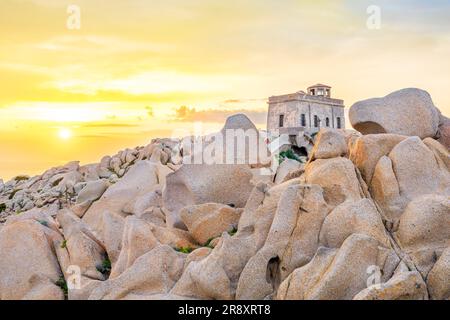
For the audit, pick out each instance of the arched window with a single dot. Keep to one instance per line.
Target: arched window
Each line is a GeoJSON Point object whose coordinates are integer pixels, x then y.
{"type": "Point", "coordinates": [303, 120]}
{"type": "Point", "coordinates": [281, 121]}
{"type": "Point", "coordinates": [327, 122]}
{"type": "Point", "coordinates": [338, 122]}
{"type": "Point", "coordinates": [316, 121]}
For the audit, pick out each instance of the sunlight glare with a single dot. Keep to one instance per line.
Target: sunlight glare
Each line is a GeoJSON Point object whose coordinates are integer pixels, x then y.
{"type": "Point", "coordinates": [64, 134]}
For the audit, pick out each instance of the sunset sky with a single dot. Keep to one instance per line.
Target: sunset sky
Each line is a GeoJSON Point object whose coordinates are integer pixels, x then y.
{"type": "Point", "coordinates": [124, 77]}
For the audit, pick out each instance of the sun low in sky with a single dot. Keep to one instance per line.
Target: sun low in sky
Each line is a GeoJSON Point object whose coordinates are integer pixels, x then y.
{"type": "Point", "coordinates": [64, 134]}
{"type": "Point", "coordinates": [80, 79]}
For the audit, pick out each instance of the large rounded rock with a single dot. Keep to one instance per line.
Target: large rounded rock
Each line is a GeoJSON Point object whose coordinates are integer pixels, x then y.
{"type": "Point", "coordinates": [443, 135]}
{"type": "Point", "coordinates": [335, 274]}
{"type": "Point", "coordinates": [239, 142]}
{"type": "Point", "coordinates": [90, 193]}
{"type": "Point", "coordinates": [424, 230]}
{"type": "Point", "coordinates": [85, 251]}
{"type": "Point", "coordinates": [386, 191]}
{"type": "Point", "coordinates": [106, 217]}
{"type": "Point", "coordinates": [337, 177]}
{"type": "Point", "coordinates": [330, 143]}
{"type": "Point", "coordinates": [29, 268]}
{"type": "Point", "coordinates": [417, 170]}
{"type": "Point", "coordinates": [217, 275]}
{"type": "Point", "coordinates": [287, 167]}
{"type": "Point", "coordinates": [368, 149]}
{"type": "Point", "coordinates": [209, 220]}
{"type": "Point", "coordinates": [442, 154]}
{"type": "Point", "coordinates": [404, 286]}
{"type": "Point", "coordinates": [425, 220]}
{"type": "Point", "coordinates": [196, 184]}
{"type": "Point", "coordinates": [155, 272]}
{"type": "Point", "coordinates": [137, 240]}
{"type": "Point", "coordinates": [292, 242]}
{"type": "Point", "coordinates": [409, 112]}
{"type": "Point", "coordinates": [438, 278]}
{"type": "Point", "coordinates": [412, 168]}
{"type": "Point", "coordinates": [353, 217]}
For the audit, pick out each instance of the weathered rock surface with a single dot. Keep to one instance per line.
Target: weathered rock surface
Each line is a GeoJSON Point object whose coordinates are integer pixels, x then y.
{"type": "Point", "coordinates": [337, 273]}
{"type": "Point", "coordinates": [91, 192]}
{"type": "Point", "coordinates": [105, 216]}
{"type": "Point", "coordinates": [438, 278]}
{"type": "Point", "coordinates": [408, 112]}
{"type": "Point", "coordinates": [209, 220]}
{"type": "Point", "coordinates": [287, 167]}
{"type": "Point", "coordinates": [238, 142]}
{"type": "Point", "coordinates": [417, 170]}
{"type": "Point", "coordinates": [153, 273]}
{"type": "Point", "coordinates": [217, 275]}
{"type": "Point", "coordinates": [330, 143]}
{"type": "Point", "coordinates": [85, 250]}
{"type": "Point", "coordinates": [137, 240]}
{"type": "Point", "coordinates": [404, 286]}
{"type": "Point", "coordinates": [368, 149]}
{"type": "Point", "coordinates": [386, 191]}
{"type": "Point", "coordinates": [197, 184]}
{"type": "Point", "coordinates": [353, 217]}
{"type": "Point", "coordinates": [29, 268]}
{"type": "Point", "coordinates": [411, 169]}
{"type": "Point", "coordinates": [424, 230]}
{"type": "Point", "coordinates": [292, 241]}
{"type": "Point", "coordinates": [338, 179]}
{"type": "Point", "coordinates": [443, 134]}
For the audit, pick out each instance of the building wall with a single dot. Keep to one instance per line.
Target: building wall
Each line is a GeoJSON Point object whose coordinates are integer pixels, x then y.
{"type": "Point", "coordinates": [288, 109]}
{"type": "Point", "coordinates": [339, 112]}
{"type": "Point", "coordinates": [292, 111]}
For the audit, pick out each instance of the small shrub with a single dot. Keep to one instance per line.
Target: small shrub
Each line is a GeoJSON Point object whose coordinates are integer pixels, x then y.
{"type": "Point", "coordinates": [208, 243]}
{"type": "Point", "coordinates": [21, 178]}
{"type": "Point", "coordinates": [233, 231]}
{"type": "Point", "coordinates": [44, 223]}
{"type": "Point", "coordinates": [184, 249]}
{"type": "Point", "coordinates": [63, 285]}
{"type": "Point", "coordinates": [105, 267]}
{"type": "Point", "coordinates": [64, 244]}
{"type": "Point", "coordinates": [2, 207]}
{"type": "Point", "coordinates": [288, 154]}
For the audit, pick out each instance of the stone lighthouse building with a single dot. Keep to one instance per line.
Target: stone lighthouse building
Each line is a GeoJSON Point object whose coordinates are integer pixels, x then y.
{"type": "Point", "coordinates": [300, 112]}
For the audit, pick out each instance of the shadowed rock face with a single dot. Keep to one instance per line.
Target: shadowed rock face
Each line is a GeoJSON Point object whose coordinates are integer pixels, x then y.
{"type": "Point", "coordinates": [409, 112]}
{"type": "Point", "coordinates": [369, 127]}
{"type": "Point", "coordinates": [443, 135]}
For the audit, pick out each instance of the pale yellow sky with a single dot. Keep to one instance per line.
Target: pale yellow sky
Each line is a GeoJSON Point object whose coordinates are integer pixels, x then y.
{"type": "Point", "coordinates": [121, 79]}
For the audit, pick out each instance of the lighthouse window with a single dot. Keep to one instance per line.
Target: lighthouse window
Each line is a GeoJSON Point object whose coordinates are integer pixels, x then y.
{"type": "Point", "coordinates": [303, 120]}
{"type": "Point", "coordinates": [281, 121]}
